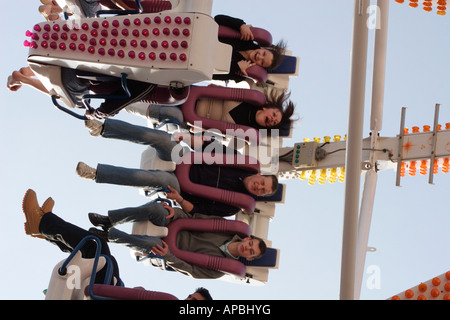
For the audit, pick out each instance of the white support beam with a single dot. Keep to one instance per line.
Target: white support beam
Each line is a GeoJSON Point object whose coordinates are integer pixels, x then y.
{"type": "Point", "coordinates": [354, 147]}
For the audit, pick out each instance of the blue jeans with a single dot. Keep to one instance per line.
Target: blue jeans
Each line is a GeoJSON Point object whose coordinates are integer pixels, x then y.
{"type": "Point", "coordinates": [153, 179]}
{"type": "Point", "coordinates": [160, 140]}
{"type": "Point", "coordinates": [151, 211]}
{"type": "Point", "coordinates": [136, 242]}
{"type": "Point", "coordinates": [90, 7]}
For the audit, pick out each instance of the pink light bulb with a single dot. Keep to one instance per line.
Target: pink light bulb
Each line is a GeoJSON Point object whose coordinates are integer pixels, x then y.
{"type": "Point", "coordinates": [147, 20]}
{"type": "Point", "coordinates": [44, 44]}
{"type": "Point", "coordinates": [184, 44]}
{"type": "Point", "coordinates": [173, 56]}
{"type": "Point", "coordinates": [64, 36]}
{"type": "Point", "coordinates": [125, 32]}
{"type": "Point", "coordinates": [121, 53]}
{"type": "Point", "coordinates": [154, 44]}
{"type": "Point", "coordinates": [183, 57]}
{"type": "Point", "coordinates": [178, 20]}
{"type": "Point", "coordinates": [186, 32]}
{"type": "Point", "coordinates": [28, 33]}
{"type": "Point", "coordinates": [72, 46]}
{"type": "Point", "coordinates": [46, 36]}
{"type": "Point", "coordinates": [152, 55]}
{"type": "Point", "coordinates": [145, 32]}
{"type": "Point", "coordinates": [37, 28]}
{"type": "Point", "coordinates": [95, 24]}
{"type": "Point", "coordinates": [166, 31]}
{"type": "Point", "coordinates": [56, 27]}
{"type": "Point", "coordinates": [187, 20]}
{"type": "Point", "coordinates": [114, 32]}
{"type": "Point", "coordinates": [26, 43]}
{"type": "Point", "coordinates": [91, 50]}
{"type": "Point", "coordinates": [144, 44]}
{"type": "Point", "coordinates": [113, 42]}
{"type": "Point", "coordinates": [163, 56]}
{"type": "Point", "coordinates": [81, 47]}
{"type": "Point", "coordinates": [123, 43]}
{"type": "Point", "coordinates": [105, 24]}
{"type": "Point", "coordinates": [165, 44]}
{"type": "Point", "coordinates": [175, 44]}
{"type": "Point", "coordinates": [137, 22]}
{"type": "Point", "coordinates": [126, 22]}
{"type": "Point", "coordinates": [47, 27]}
{"type": "Point", "coordinates": [101, 51]}
{"type": "Point", "coordinates": [167, 19]}
{"type": "Point", "coordinates": [62, 46]}
{"type": "Point", "coordinates": [102, 41]}
{"type": "Point", "coordinates": [53, 45]}
{"type": "Point", "coordinates": [157, 19]}
{"type": "Point", "coordinates": [142, 55]}
{"type": "Point", "coordinates": [156, 31]}
{"type": "Point", "coordinates": [115, 23]}
{"type": "Point", "coordinates": [132, 54]}
{"type": "Point", "coordinates": [136, 33]}
{"type": "Point", "coordinates": [133, 43]}
{"type": "Point", "coordinates": [111, 52]}
{"type": "Point", "coordinates": [176, 32]}
{"type": "Point", "coordinates": [85, 26]}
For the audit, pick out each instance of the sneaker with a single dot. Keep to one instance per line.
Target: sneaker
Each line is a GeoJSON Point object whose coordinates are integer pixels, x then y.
{"type": "Point", "coordinates": [33, 213]}
{"type": "Point", "coordinates": [86, 172]}
{"type": "Point", "coordinates": [95, 127]}
{"type": "Point", "coordinates": [100, 221]}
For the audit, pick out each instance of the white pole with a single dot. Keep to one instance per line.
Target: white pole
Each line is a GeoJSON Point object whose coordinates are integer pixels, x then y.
{"type": "Point", "coordinates": [379, 68]}
{"type": "Point", "coordinates": [354, 148]}
{"type": "Point", "coordinates": [365, 218]}
{"type": "Point", "coordinates": [376, 120]}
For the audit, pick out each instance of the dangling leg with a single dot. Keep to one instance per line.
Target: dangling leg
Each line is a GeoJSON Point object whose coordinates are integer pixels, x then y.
{"type": "Point", "coordinates": [25, 76]}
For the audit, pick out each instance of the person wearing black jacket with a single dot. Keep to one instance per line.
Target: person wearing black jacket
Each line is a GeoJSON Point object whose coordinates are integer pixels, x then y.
{"type": "Point", "coordinates": [246, 52]}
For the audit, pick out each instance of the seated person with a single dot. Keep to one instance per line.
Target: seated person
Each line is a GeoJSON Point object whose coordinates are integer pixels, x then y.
{"type": "Point", "coordinates": [246, 52]}
{"type": "Point", "coordinates": [277, 110]}
{"type": "Point", "coordinates": [42, 223]}
{"type": "Point", "coordinates": [233, 179]}
{"type": "Point", "coordinates": [215, 244]}
{"type": "Point", "coordinates": [78, 87]}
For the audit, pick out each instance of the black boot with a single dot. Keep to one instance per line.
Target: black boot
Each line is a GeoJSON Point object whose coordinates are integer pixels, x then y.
{"type": "Point", "coordinates": [100, 221]}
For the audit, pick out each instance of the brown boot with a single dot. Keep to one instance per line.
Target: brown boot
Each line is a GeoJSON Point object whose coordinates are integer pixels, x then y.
{"type": "Point", "coordinates": [33, 212]}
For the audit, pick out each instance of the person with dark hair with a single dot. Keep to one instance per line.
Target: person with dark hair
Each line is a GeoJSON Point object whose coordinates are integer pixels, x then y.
{"type": "Point", "coordinates": [246, 52]}
{"type": "Point", "coordinates": [42, 223]}
{"type": "Point", "coordinates": [219, 244]}
{"type": "Point", "coordinates": [228, 178]}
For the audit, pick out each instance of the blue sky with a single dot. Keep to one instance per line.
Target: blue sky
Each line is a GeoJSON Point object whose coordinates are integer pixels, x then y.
{"type": "Point", "coordinates": [41, 147]}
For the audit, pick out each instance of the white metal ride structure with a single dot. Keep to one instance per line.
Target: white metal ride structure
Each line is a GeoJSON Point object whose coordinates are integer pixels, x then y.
{"type": "Point", "coordinates": [315, 160]}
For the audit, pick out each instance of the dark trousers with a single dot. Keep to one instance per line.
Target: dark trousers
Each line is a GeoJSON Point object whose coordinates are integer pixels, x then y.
{"type": "Point", "coordinates": [67, 236]}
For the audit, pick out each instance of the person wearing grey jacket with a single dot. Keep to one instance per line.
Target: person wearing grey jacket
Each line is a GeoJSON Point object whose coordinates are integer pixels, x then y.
{"type": "Point", "coordinates": [216, 244]}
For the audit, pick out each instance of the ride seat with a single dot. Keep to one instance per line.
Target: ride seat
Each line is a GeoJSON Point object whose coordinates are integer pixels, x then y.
{"type": "Point", "coordinates": [262, 37]}
{"type": "Point", "coordinates": [106, 291]}
{"type": "Point", "coordinates": [254, 97]}
{"type": "Point", "coordinates": [244, 201]}
{"type": "Point", "coordinates": [226, 265]}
